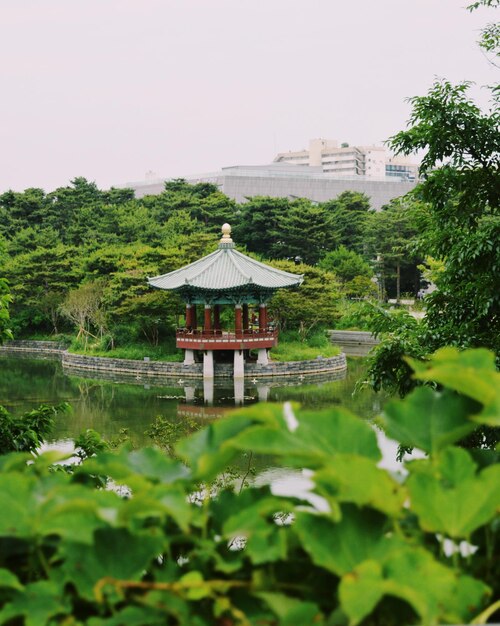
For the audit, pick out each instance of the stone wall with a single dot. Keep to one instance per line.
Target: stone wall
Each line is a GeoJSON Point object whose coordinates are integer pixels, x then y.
{"type": "Point", "coordinates": [129, 366]}
{"type": "Point", "coordinates": [18, 345]}
{"type": "Point", "coordinates": [224, 370]}
{"type": "Point", "coordinates": [295, 368]}
{"type": "Point", "coordinates": [155, 369]}
{"type": "Point", "coordinates": [353, 342]}
{"type": "Point", "coordinates": [342, 337]}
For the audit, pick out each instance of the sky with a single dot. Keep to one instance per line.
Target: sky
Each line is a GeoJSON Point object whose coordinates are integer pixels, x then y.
{"type": "Point", "coordinates": [112, 89]}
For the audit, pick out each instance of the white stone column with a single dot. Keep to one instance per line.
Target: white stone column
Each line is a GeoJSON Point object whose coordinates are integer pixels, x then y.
{"type": "Point", "coordinates": [263, 391]}
{"type": "Point", "coordinates": [208, 364]}
{"type": "Point", "coordinates": [208, 391]}
{"type": "Point", "coordinates": [262, 358]}
{"type": "Point", "coordinates": [189, 393]}
{"type": "Point", "coordinates": [239, 364]}
{"type": "Point", "coordinates": [188, 357]}
{"type": "Point", "coordinates": [239, 391]}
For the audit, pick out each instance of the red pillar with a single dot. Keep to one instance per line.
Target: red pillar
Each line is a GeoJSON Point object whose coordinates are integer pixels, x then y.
{"type": "Point", "coordinates": [238, 321]}
{"type": "Point", "coordinates": [207, 326]}
{"type": "Point", "coordinates": [189, 316]}
{"type": "Point", "coordinates": [217, 317]}
{"type": "Point", "coordinates": [262, 318]}
{"type": "Point", "coordinates": [245, 318]}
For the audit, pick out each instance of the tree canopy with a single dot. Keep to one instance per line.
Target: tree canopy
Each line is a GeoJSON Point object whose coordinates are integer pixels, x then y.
{"type": "Point", "coordinates": [460, 192]}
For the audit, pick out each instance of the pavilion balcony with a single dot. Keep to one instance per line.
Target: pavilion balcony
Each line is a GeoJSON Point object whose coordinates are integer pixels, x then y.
{"type": "Point", "coordinates": [224, 340]}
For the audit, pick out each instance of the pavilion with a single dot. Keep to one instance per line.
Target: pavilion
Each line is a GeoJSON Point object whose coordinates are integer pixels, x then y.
{"type": "Point", "coordinates": [226, 277]}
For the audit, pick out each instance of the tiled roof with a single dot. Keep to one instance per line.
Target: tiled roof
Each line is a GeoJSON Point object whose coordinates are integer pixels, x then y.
{"type": "Point", "coordinates": [226, 268]}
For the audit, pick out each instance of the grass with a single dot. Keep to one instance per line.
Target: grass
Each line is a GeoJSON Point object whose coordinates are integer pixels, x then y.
{"type": "Point", "coordinates": [292, 348]}
{"type": "Point", "coordinates": [135, 352]}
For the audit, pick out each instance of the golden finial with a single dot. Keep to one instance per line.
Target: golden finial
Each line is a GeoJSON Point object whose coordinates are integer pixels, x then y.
{"type": "Point", "coordinates": [226, 234]}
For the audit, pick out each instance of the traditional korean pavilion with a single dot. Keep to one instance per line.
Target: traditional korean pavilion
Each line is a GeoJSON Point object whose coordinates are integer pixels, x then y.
{"type": "Point", "coordinates": [226, 278]}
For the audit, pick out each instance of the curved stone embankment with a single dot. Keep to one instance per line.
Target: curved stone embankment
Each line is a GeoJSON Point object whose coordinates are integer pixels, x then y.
{"type": "Point", "coordinates": [34, 347]}
{"type": "Point", "coordinates": [156, 369]}
{"type": "Point", "coordinates": [353, 342]}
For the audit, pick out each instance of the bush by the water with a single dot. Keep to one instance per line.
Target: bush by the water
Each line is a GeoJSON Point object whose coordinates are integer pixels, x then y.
{"type": "Point", "coordinates": [292, 348]}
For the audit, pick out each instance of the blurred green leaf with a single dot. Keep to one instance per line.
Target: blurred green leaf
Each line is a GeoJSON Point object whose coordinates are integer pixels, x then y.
{"type": "Point", "coordinates": [428, 419]}
{"type": "Point", "coordinates": [471, 373]}
{"type": "Point", "coordinates": [340, 547]}
{"type": "Point", "coordinates": [357, 479]}
{"type": "Point", "coordinates": [449, 497]}
{"type": "Point", "coordinates": [291, 611]}
{"type": "Point", "coordinates": [116, 553]}
{"type": "Point", "coordinates": [412, 575]}
{"type": "Point", "coordinates": [318, 437]}
{"type": "Point", "coordinates": [9, 580]}
{"type": "Point", "coordinates": [37, 604]}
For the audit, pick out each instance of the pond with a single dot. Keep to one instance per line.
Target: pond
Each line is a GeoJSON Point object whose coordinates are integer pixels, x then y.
{"type": "Point", "coordinates": [120, 407]}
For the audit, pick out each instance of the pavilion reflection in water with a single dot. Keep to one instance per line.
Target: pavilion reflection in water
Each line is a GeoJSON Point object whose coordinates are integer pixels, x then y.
{"type": "Point", "coordinates": [211, 397]}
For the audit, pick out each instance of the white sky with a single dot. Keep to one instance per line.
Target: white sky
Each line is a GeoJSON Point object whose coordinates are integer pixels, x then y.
{"type": "Point", "coordinates": [109, 89]}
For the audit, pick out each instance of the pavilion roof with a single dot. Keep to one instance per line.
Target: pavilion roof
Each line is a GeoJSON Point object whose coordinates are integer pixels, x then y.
{"type": "Point", "coordinates": [226, 269]}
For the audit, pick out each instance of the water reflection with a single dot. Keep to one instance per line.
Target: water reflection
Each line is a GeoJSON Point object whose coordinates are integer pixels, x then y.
{"type": "Point", "coordinates": [111, 403]}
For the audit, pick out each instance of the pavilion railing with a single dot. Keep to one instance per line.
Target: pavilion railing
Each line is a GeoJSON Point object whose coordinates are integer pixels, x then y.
{"type": "Point", "coordinates": [270, 333]}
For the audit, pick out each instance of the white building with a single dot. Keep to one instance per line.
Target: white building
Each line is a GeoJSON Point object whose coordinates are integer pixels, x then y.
{"type": "Point", "coordinates": [281, 180]}
{"type": "Point", "coordinates": [346, 160]}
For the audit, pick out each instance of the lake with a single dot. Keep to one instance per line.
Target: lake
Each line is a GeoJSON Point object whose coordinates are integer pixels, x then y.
{"type": "Point", "coordinates": [114, 406]}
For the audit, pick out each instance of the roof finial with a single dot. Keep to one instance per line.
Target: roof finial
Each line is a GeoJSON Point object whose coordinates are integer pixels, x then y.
{"type": "Point", "coordinates": [226, 234]}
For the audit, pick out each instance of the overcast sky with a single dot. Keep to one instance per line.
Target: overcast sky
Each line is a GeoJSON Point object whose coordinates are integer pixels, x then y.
{"type": "Point", "coordinates": [109, 89]}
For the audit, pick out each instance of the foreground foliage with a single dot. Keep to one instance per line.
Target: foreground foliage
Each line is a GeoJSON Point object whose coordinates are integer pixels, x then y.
{"type": "Point", "coordinates": [161, 545]}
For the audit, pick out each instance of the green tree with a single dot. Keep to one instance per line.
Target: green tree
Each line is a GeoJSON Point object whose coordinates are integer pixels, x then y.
{"type": "Point", "coordinates": [314, 304]}
{"type": "Point", "coordinates": [132, 309]}
{"type": "Point", "coordinates": [20, 210]}
{"type": "Point", "coordinates": [258, 223]}
{"type": "Point", "coordinates": [83, 307]}
{"type": "Point", "coordinates": [203, 201]}
{"type": "Point", "coordinates": [5, 300]}
{"type": "Point", "coordinates": [345, 264]}
{"type": "Point", "coordinates": [390, 235]}
{"type": "Point", "coordinates": [461, 189]}
{"type": "Point", "coordinates": [349, 213]}
{"type": "Point", "coordinates": [304, 231]}
{"type": "Point", "coordinates": [40, 279]}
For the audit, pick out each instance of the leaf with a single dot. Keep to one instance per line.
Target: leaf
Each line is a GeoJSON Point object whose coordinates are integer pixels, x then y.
{"type": "Point", "coordinates": [17, 503]}
{"type": "Point", "coordinates": [252, 515]}
{"type": "Point", "coordinates": [195, 587]}
{"type": "Point", "coordinates": [340, 547]}
{"type": "Point", "coordinates": [207, 452]}
{"type": "Point", "coordinates": [9, 581]}
{"type": "Point", "coordinates": [471, 373]}
{"type": "Point", "coordinates": [38, 603]}
{"type": "Point", "coordinates": [75, 512]}
{"type": "Point", "coordinates": [291, 611]}
{"type": "Point", "coordinates": [449, 497]}
{"type": "Point", "coordinates": [158, 501]}
{"type": "Point", "coordinates": [116, 553]}
{"type": "Point", "coordinates": [428, 419]}
{"type": "Point", "coordinates": [411, 574]}
{"type": "Point", "coordinates": [466, 600]}
{"type": "Point", "coordinates": [131, 616]}
{"type": "Point", "coordinates": [361, 590]}
{"type": "Point", "coordinates": [318, 437]}
{"type": "Point", "coordinates": [148, 464]}
{"type": "Point", "coordinates": [357, 479]}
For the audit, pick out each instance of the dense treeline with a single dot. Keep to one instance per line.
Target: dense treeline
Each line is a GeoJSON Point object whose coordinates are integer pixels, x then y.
{"type": "Point", "coordinates": [78, 257]}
